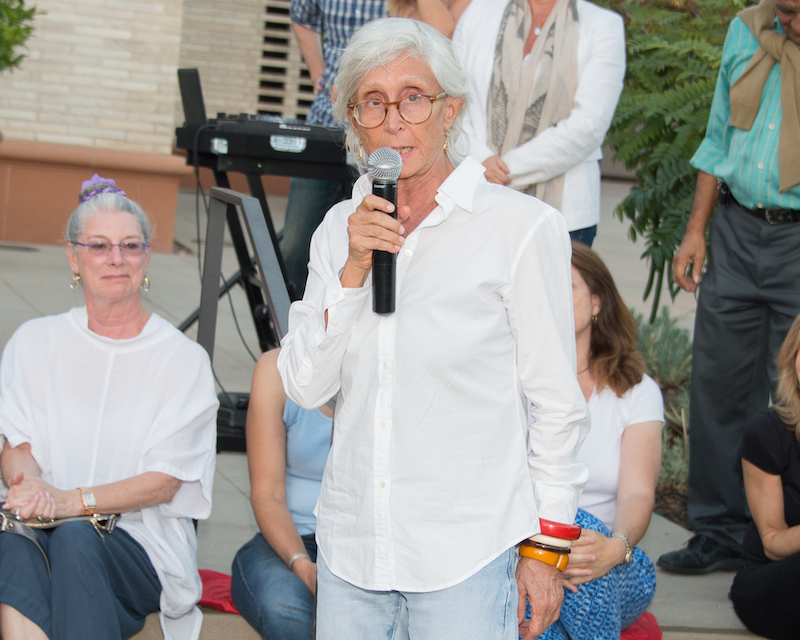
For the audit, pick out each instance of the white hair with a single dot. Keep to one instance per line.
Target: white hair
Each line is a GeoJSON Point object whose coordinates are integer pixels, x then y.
{"type": "Point", "coordinates": [380, 42]}
{"type": "Point", "coordinates": [106, 202]}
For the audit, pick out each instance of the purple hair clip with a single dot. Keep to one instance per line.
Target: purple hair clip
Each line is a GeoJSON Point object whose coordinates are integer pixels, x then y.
{"type": "Point", "coordinates": [96, 186]}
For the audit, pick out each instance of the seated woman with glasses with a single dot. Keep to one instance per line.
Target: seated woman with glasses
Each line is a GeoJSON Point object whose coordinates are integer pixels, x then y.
{"type": "Point", "coordinates": [106, 409]}
{"type": "Point", "coordinates": [275, 574]}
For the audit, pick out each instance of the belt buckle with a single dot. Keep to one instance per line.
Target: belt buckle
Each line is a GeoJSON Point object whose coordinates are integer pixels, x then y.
{"type": "Point", "coordinates": [771, 217]}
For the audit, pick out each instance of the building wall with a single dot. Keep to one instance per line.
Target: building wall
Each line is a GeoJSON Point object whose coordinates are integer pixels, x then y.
{"type": "Point", "coordinates": [224, 41]}
{"type": "Point", "coordinates": [100, 73]}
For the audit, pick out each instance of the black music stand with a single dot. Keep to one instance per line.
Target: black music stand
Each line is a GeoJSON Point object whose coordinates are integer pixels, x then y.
{"type": "Point", "coordinates": [194, 112]}
{"type": "Point", "coordinates": [224, 205]}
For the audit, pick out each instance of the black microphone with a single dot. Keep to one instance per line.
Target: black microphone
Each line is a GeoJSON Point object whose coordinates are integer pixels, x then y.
{"type": "Point", "coordinates": [384, 165]}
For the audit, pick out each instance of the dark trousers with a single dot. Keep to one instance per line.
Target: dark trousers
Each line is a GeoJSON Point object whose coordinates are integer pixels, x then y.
{"type": "Point", "coordinates": [585, 235]}
{"type": "Point", "coordinates": [100, 587]}
{"type": "Point", "coordinates": [765, 598]}
{"type": "Point", "coordinates": [309, 201]}
{"type": "Point", "coordinates": [747, 301]}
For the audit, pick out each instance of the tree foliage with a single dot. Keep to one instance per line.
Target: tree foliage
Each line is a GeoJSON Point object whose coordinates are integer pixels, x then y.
{"type": "Point", "coordinates": [674, 51]}
{"type": "Point", "coordinates": [16, 26]}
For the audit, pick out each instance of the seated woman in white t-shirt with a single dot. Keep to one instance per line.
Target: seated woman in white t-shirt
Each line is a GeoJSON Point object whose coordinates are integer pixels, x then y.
{"type": "Point", "coordinates": [609, 581]}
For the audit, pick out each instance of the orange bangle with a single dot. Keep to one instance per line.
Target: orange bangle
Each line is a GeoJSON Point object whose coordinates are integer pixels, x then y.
{"type": "Point", "coordinates": [557, 560]}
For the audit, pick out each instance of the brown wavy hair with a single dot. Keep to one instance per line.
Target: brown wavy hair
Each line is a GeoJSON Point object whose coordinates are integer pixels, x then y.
{"type": "Point", "coordinates": [614, 360]}
{"type": "Point", "coordinates": [787, 395]}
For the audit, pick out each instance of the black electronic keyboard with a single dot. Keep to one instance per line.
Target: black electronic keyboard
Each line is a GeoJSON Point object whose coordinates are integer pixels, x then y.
{"type": "Point", "coordinates": [259, 145]}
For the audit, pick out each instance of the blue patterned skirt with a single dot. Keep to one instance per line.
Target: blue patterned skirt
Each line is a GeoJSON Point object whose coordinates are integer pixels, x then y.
{"type": "Point", "coordinates": [603, 607]}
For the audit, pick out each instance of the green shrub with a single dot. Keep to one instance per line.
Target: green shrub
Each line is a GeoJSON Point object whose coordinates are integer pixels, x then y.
{"type": "Point", "coordinates": [16, 26]}
{"type": "Point", "coordinates": [667, 352]}
{"type": "Point", "coordinates": [666, 349]}
{"type": "Point", "coordinates": [674, 50]}
{"type": "Point", "coordinates": [674, 475]}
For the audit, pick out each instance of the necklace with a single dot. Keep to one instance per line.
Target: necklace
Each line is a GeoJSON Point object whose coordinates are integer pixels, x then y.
{"type": "Point", "coordinates": [584, 371]}
{"type": "Point", "coordinates": [537, 30]}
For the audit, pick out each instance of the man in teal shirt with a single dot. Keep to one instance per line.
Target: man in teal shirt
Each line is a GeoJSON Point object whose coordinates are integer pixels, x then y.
{"type": "Point", "coordinates": [749, 164]}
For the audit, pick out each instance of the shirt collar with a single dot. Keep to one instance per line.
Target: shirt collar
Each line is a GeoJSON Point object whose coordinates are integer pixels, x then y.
{"type": "Point", "coordinates": [458, 189]}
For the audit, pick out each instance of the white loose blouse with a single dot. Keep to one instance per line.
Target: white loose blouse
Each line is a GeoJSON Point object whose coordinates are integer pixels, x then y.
{"type": "Point", "coordinates": [97, 410]}
{"type": "Point", "coordinates": [600, 452]}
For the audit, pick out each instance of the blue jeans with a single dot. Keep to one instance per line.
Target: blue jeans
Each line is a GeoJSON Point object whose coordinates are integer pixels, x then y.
{"type": "Point", "coordinates": [100, 588]}
{"type": "Point", "coordinates": [482, 607]}
{"type": "Point", "coordinates": [271, 598]}
{"type": "Point", "coordinates": [309, 201]}
{"type": "Point", "coordinates": [605, 606]}
{"type": "Point", "coordinates": [586, 235]}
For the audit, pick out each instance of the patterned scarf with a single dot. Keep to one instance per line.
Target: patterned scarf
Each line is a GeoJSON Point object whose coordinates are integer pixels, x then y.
{"type": "Point", "coordinates": [746, 92]}
{"type": "Point", "coordinates": [530, 95]}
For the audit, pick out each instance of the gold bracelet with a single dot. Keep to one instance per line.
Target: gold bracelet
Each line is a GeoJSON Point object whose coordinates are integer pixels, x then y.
{"type": "Point", "coordinates": [557, 560]}
{"type": "Point", "coordinates": [628, 548]}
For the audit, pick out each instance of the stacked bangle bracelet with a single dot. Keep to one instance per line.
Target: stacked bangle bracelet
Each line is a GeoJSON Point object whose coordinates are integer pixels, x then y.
{"type": "Point", "coordinates": [552, 545]}
{"type": "Point", "coordinates": [554, 559]}
{"type": "Point", "coordinates": [546, 547]}
{"type": "Point", "coordinates": [559, 530]}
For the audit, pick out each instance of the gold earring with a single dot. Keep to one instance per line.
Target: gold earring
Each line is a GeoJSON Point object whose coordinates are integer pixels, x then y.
{"type": "Point", "coordinates": [145, 286]}
{"type": "Point", "coordinates": [359, 150]}
{"type": "Point", "coordinates": [447, 139]}
{"type": "Point", "coordinates": [594, 319]}
{"type": "Point", "coordinates": [76, 281]}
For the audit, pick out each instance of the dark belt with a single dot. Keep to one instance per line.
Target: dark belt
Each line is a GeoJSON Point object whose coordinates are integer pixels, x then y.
{"type": "Point", "coordinates": [772, 216]}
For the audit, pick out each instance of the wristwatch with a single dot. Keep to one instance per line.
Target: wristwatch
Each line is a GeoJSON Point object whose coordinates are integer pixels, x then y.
{"type": "Point", "coordinates": [89, 502]}
{"type": "Point", "coordinates": [628, 548]}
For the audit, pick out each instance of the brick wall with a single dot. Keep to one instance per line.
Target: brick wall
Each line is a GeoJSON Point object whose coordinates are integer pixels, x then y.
{"type": "Point", "coordinates": [223, 39]}
{"type": "Point", "coordinates": [100, 73]}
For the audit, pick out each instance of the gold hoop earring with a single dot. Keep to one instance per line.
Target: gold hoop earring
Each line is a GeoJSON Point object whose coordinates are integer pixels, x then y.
{"type": "Point", "coordinates": [594, 319]}
{"type": "Point", "coordinates": [447, 139]}
{"type": "Point", "coordinates": [76, 281]}
{"type": "Point", "coordinates": [145, 286]}
{"type": "Point", "coordinates": [359, 150]}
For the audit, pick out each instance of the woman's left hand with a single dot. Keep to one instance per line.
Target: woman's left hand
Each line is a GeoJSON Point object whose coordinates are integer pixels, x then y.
{"type": "Point", "coordinates": [35, 498]}
{"type": "Point", "coordinates": [593, 556]}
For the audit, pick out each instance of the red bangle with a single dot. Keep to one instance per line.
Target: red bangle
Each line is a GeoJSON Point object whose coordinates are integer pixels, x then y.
{"type": "Point", "coordinates": [560, 530]}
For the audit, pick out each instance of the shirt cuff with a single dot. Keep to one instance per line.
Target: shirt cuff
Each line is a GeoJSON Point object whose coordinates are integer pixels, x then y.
{"type": "Point", "coordinates": [343, 306]}
{"type": "Point", "coordinates": [556, 503]}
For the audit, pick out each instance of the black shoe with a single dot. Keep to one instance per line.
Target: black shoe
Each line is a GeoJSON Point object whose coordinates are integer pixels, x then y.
{"type": "Point", "coordinates": [701, 555]}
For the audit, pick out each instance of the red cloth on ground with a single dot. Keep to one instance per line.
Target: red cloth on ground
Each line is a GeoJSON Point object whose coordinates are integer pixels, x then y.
{"type": "Point", "coordinates": [645, 628]}
{"type": "Point", "coordinates": [217, 591]}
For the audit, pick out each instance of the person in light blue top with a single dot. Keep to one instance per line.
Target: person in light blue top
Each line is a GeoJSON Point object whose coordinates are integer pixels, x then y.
{"type": "Point", "coordinates": [749, 163]}
{"type": "Point", "coordinates": [275, 574]}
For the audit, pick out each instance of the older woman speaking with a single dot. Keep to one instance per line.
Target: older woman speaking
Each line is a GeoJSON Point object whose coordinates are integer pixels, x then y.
{"type": "Point", "coordinates": [436, 471]}
{"type": "Point", "coordinates": [106, 409]}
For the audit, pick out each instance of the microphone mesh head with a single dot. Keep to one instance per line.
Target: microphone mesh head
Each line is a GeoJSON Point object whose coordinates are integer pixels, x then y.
{"type": "Point", "coordinates": [385, 164]}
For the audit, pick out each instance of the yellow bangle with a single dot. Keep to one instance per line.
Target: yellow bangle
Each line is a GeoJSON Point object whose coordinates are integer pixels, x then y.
{"type": "Point", "coordinates": [557, 560]}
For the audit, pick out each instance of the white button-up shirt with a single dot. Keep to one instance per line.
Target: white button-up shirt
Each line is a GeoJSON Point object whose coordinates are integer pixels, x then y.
{"type": "Point", "coordinates": [434, 469]}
